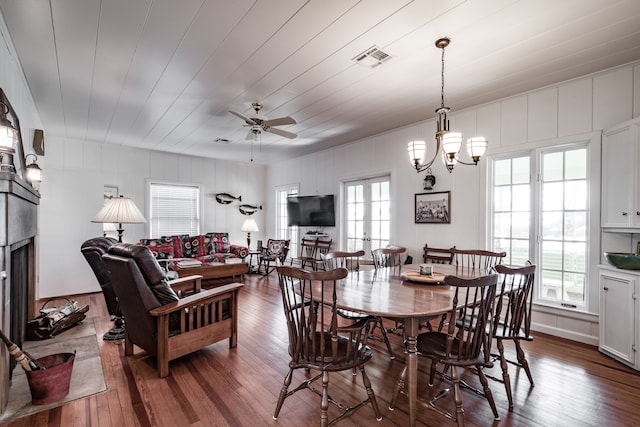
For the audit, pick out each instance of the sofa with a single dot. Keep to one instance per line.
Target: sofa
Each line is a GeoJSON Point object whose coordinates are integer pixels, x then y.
{"type": "Point", "coordinates": [209, 247]}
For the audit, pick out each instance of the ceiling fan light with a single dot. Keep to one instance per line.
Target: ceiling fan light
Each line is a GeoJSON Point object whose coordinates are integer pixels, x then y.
{"type": "Point", "coordinates": [451, 142]}
{"type": "Point", "coordinates": [476, 147]}
{"type": "Point", "coordinates": [417, 151]}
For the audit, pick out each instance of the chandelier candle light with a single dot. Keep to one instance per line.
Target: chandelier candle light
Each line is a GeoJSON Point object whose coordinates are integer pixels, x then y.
{"type": "Point", "coordinates": [450, 142]}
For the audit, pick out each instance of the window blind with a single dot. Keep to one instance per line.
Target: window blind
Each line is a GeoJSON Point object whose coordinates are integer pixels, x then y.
{"type": "Point", "coordinates": [174, 209]}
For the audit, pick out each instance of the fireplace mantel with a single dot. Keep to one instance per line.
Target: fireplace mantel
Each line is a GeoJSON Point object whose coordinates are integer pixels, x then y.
{"type": "Point", "coordinates": [18, 228]}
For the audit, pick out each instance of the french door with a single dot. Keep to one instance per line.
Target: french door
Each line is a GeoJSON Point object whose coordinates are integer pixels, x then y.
{"type": "Point", "coordinates": [367, 214]}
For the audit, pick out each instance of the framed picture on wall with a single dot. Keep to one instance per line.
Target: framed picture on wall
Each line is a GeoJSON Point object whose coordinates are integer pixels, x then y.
{"type": "Point", "coordinates": [433, 208]}
{"type": "Point", "coordinates": [110, 191]}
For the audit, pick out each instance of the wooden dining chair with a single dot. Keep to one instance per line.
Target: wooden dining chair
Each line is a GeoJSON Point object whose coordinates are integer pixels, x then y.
{"type": "Point", "coordinates": [513, 318]}
{"type": "Point", "coordinates": [480, 259]}
{"type": "Point", "coordinates": [433, 255]}
{"type": "Point", "coordinates": [351, 261]}
{"type": "Point", "coordinates": [390, 256]}
{"type": "Point", "coordinates": [317, 343]}
{"type": "Point", "coordinates": [437, 255]}
{"type": "Point", "coordinates": [342, 259]}
{"type": "Point", "coordinates": [306, 252]}
{"type": "Point", "coordinates": [466, 343]}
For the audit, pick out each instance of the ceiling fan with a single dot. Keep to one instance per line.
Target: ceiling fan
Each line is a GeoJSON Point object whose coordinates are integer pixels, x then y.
{"type": "Point", "coordinates": [260, 123]}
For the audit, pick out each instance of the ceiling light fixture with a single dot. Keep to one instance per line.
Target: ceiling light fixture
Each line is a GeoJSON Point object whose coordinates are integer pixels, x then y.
{"type": "Point", "coordinates": [451, 142]}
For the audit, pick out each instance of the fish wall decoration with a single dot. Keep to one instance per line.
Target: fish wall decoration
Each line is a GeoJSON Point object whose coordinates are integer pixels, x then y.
{"type": "Point", "coordinates": [248, 209]}
{"type": "Point", "coordinates": [226, 198]}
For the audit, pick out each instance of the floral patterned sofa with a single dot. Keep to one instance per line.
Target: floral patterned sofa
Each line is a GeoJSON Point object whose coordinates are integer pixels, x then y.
{"type": "Point", "coordinates": [208, 247]}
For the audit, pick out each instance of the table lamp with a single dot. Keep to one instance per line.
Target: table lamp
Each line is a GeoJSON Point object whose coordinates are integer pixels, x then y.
{"type": "Point", "coordinates": [248, 226]}
{"type": "Point", "coordinates": [120, 210]}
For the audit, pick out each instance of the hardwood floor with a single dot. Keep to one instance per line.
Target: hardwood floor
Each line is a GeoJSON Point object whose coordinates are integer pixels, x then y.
{"type": "Point", "coordinates": [217, 386]}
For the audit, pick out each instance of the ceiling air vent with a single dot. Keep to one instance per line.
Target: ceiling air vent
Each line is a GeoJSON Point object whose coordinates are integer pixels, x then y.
{"type": "Point", "coordinates": [372, 57]}
{"type": "Point", "coordinates": [222, 140]}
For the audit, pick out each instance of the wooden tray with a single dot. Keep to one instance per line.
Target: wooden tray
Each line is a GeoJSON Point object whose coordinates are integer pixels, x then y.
{"type": "Point", "coordinates": [415, 276]}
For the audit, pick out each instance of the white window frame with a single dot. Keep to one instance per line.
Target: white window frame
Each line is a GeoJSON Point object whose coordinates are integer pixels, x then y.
{"type": "Point", "coordinates": [592, 141]}
{"type": "Point", "coordinates": [283, 231]}
{"type": "Point", "coordinates": [150, 214]}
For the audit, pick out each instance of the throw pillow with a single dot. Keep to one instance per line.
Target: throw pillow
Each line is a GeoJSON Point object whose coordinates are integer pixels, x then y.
{"type": "Point", "coordinates": [217, 243]}
{"type": "Point", "coordinates": [179, 242]}
{"type": "Point", "coordinates": [160, 248]}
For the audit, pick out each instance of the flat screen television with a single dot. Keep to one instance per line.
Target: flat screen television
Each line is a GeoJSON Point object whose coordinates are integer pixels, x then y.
{"type": "Point", "coordinates": [311, 211]}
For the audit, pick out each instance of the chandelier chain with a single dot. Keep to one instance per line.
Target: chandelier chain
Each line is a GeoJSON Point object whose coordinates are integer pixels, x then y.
{"type": "Point", "coordinates": [442, 80]}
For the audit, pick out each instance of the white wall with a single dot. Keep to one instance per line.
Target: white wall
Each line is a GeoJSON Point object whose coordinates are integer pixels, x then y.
{"type": "Point", "coordinates": [571, 110]}
{"type": "Point", "coordinates": [75, 175]}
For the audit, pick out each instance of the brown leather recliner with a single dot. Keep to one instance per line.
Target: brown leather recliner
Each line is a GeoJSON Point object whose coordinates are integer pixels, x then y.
{"type": "Point", "coordinates": [158, 320]}
{"type": "Point", "coordinates": [93, 249]}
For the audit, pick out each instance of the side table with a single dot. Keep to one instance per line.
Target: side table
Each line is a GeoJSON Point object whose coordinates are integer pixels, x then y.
{"type": "Point", "coordinates": [254, 268]}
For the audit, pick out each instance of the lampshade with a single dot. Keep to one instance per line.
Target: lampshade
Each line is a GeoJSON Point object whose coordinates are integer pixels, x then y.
{"type": "Point", "coordinates": [120, 210]}
{"type": "Point", "coordinates": [416, 150]}
{"type": "Point", "coordinates": [249, 225]}
{"type": "Point", "coordinates": [451, 142]}
{"type": "Point", "coordinates": [476, 147]}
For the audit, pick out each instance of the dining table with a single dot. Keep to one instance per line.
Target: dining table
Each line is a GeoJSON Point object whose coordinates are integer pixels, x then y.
{"type": "Point", "coordinates": [397, 293]}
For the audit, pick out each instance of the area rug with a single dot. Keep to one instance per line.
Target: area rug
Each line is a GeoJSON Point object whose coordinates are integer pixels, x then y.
{"type": "Point", "coordinates": [87, 377]}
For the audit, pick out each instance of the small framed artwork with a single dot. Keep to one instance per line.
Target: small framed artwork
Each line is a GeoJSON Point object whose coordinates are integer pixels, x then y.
{"type": "Point", "coordinates": [433, 208]}
{"type": "Point", "coordinates": [110, 191]}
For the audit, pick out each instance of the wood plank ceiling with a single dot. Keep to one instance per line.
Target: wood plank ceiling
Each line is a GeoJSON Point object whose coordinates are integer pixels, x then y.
{"type": "Point", "coordinates": [163, 74]}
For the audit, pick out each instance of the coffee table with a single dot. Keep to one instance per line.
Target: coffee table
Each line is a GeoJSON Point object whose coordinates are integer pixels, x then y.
{"type": "Point", "coordinates": [214, 270]}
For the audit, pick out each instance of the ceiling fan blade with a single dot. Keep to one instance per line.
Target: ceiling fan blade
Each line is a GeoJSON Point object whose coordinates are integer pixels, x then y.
{"type": "Point", "coordinates": [281, 132]}
{"type": "Point", "coordinates": [243, 117]}
{"type": "Point", "coordinates": [279, 122]}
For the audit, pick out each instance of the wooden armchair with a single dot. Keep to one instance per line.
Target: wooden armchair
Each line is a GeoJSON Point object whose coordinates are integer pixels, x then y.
{"type": "Point", "coordinates": [158, 320]}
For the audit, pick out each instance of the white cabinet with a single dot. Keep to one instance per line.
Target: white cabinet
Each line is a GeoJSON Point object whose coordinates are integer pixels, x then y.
{"type": "Point", "coordinates": [620, 175]}
{"type": "Point", "coordinates": [619, 314]}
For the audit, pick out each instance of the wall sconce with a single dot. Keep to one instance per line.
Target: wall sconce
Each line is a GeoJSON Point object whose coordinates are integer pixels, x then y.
{"type": "Point", "coordinates": [34, 173]}
{"type": "Point", "coordinates": [429, 180]}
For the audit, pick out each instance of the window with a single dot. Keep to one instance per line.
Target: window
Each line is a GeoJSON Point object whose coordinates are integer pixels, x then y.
{"type": "Point", "coordinates": [511, 213]}
{"type": "Point", "coordinates": [173, 209]}
{"type": "Point", "coordinates": [554, 208]}
{"type": "Point", "coordinates": [563, 224]}
{"type": "Point", "coordinates": [283, 231]}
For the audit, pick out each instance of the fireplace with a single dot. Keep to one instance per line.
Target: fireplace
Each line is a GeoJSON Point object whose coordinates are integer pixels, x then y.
{"type": "Point", "coordinates": [18, 227]}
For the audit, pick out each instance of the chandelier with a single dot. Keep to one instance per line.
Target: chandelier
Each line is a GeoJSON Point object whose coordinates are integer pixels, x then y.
{"type": "Point", "coordinates": [451, 142]}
